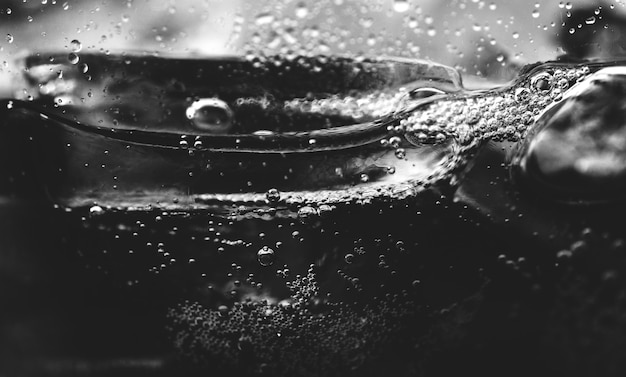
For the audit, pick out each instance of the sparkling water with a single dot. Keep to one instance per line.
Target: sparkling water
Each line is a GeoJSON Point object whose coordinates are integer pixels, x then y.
{"type": "Point", "coordinates": [317, 215]}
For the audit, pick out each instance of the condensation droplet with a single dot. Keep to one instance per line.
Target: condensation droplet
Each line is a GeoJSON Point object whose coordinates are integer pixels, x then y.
{"type": "Point", "coordinates": [76, 46]}
{"type": "Point", "coordinates": [73, 58]}
{"type": "Point", "coordinates": [10, 38]}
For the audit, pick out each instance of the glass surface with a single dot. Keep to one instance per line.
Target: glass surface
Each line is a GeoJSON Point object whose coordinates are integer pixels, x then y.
{"type": "Point", "coordinates": [293, 188]}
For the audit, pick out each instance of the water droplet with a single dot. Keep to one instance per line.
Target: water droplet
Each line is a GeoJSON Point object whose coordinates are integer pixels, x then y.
{"type": "Point", "coordinates": [83, 68]}
{"type": "Point", "coordinates": [591, 20]}
{"type": "Point", "coordinates": [10, 38]}
{"type": "Point", "coordinates": [515, 35]}
{"type": "Point", "coordinates": [95, 210]}
{"type": "Point", "coordinates": [536, 13]}
{"type": "Point", "coordinates": [210, 114]}
{"type": "Point", "coordinates": [265, 256]}
{"type": "Point", "coordinates": [401, 6]}
{"type": "Point", "coordinates": [75, 45]}
{"type": "Point", "coordinates": [349, 258]}
{"type": "Point", "coordinates": [73, 58]}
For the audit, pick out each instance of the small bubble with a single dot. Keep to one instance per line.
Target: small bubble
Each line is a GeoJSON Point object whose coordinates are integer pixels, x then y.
{"type": "Point", "coordinates": [265, 256]}
{"type": "Point", "coordinates": [272, 195]}
{"type": "Point", "coordinates": [400, 153]}
{"type": "Point", "coordinates": [562, 84]}
{"type": "Point", "coordinates": [95, 210]}
{"type": "Point", "coordinates": [395, 141]}
{"type": "Point", "coordinates": [591, 20]}
{"type": "Point", "coordinates": [83, 68]}
{"type": "Point", "coordinates": [536, 13]}
{"type": "Point", "coordinates": [515, 35]}
{"type": "Point", "coordinates": [541, 82]}
{"type": "Point", "coordinates": [223, 310]}
{"type": "Point", "coordinates": [307, 213]}
{"type": "Point", "coordinates": [10, 38]}
{"type": "Point", "coordinates": [301, 10]}
{"type": "Point", "coordinates": [349, 258]}
{"type": "Point", "coordinates": [522, 94]}
{"type": "Point", "coordinates": [401, 6]}
{"type": "Point", "coordinates": [264, 19]}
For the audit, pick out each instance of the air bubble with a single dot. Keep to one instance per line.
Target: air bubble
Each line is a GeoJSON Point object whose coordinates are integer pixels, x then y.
{"type": "Point", "coordinates": [301, 10]}
{"type": "Point", "coordinates": [272, 195]}
{"type": "Point", "coordinates": [307, 213]}
{"type": "Point", "coordinates": [401, 6]}
{"type": "Point", "coordinates": [541, 82]}
{"type": "Point", "coordinates": [265, 256]}
{"type": "Point", "coordinates": [210, 114]}
{"type": "Point", "coordinates": [522, 94]}
{"type": "Point", "coordinates": [264, 19]}
{"type": "Point", "coordinates": [400, 153]}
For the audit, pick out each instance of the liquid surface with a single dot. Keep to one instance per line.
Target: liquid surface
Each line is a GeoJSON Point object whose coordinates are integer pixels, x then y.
{"type": "Point", "coordinates": [368, 217]}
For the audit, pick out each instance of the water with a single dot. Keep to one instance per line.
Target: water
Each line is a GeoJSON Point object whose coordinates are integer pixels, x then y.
{"type": "Point", "coordinates": [317, 216]}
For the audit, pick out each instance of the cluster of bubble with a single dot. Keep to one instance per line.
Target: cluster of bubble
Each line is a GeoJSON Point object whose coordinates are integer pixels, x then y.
{"type": "Point", "coordinates": [359, 108]}
{"type": "Point", "coordinates": [464, 120]}
{"type": "Point", "coordinates": [304, 335]}
{"type": "Point", "coordinates": [499, 115]}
